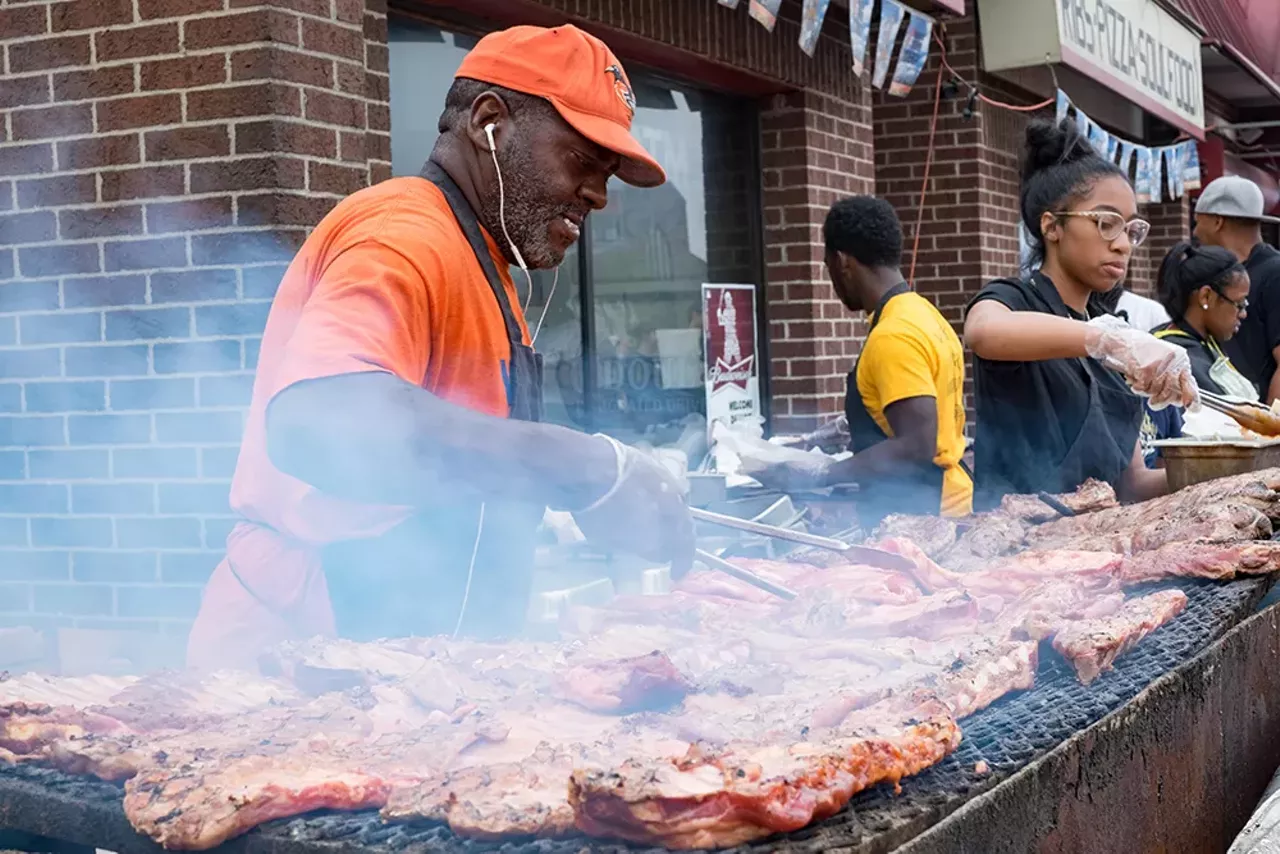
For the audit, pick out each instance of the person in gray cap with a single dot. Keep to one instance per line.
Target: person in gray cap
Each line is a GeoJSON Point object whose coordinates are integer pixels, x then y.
{"type": "Point", "coordinates": [1229, 214]}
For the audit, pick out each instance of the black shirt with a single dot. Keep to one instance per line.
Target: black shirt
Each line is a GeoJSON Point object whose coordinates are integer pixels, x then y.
{"type": "Point", "coordinates": [1252, 348]}
{"type": "Point", "coordinates": [1032, 416]}
{"type": "Point", "coordinates": [1198, 351]}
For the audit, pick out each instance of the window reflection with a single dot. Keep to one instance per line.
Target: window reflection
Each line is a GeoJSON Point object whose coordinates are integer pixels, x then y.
{"type": "Point", "coordinates": [650, 251]}
{"type": "Point", "coordinates": [653, 249]}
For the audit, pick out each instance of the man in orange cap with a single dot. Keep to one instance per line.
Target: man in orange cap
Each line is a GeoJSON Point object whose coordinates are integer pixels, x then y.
{"type": "Point", "coordinates": [394, 469]}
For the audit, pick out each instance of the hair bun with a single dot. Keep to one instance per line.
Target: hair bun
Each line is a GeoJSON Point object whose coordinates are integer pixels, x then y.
{"type": "Point", "coordinates": [1051, 144]}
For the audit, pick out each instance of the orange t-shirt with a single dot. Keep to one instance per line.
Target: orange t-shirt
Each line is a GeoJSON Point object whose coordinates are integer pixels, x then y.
{"type": "Point", "coordinates": [386, 282]}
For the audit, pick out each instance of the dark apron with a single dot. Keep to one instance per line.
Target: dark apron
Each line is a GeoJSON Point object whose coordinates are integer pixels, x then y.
{"type": "Point", "coordinates": [412, 580]}
{"type": "Point", "coordinates": [1094, 452]}
{"type": "Point", "coordinates": [917, 489]}
{"type": "Point", "coordinates": [1102, 449]}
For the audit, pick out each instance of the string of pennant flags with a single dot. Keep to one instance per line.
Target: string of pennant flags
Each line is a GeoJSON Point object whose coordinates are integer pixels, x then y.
{"type": "Point", "coordinates": [1158, 173]}
{"type": "Point", "coordinates": [915, 44]}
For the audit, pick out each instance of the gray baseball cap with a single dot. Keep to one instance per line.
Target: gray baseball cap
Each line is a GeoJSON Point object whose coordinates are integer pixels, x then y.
{"type": "Point", "coordinates": [1235, 197]}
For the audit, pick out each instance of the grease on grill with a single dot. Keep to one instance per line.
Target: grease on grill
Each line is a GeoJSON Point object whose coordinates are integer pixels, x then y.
{"type": "Point", "coordinates": [1000, 739]}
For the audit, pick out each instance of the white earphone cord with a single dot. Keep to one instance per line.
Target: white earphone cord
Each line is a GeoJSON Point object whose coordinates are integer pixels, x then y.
{"type": "Point", "coordinates": [471, 568]}
{"type": "Point", "coordinates": [502, 220]}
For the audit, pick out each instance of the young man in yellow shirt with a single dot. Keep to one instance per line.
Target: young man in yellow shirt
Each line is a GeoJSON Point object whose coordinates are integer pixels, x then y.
{"type": "Point", "coordinates": [905, 398]}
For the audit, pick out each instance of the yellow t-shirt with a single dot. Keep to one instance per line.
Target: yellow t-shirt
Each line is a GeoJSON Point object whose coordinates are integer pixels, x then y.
{"type": "Point", "coordinates": [914, 352]}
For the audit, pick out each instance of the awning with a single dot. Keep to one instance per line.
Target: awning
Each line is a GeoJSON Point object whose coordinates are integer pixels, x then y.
{"type": "Point", "coordinates": [1232, 76]}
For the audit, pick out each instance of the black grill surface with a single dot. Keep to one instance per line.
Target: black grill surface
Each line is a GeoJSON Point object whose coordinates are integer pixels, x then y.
{"type": "Point", "coordinates": [1006, 736]}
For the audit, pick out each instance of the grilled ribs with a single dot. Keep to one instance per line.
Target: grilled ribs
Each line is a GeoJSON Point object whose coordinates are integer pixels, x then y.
{"type": "Point", "coordinates": [706, 717]}
{"type": "Point", "coordinates": [1092, 646]}
{"type": "Point", "coordinates": [747, 792]}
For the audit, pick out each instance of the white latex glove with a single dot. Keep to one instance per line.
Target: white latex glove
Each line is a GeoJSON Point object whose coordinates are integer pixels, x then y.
{"type": "Point", "coordinates": [834, 432]}
{"type": "Point", "coordinates": [643, 513]}
{"type": "Point", "coordinates": [1156, 369]}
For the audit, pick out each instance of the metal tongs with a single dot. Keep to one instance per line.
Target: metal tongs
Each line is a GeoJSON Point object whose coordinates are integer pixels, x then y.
{"type": "Point", "coordinates": [719, 563]}
{"type": "Point", "coordinates": [1247, 413]}
{"type": "Point", "coordinates": [859, 554]}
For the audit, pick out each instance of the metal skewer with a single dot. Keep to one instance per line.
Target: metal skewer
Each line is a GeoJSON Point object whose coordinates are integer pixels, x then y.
{"type": "Point", "coordinates": [741, 574]}
{"type": "Point", "coordinates": [860, 554]}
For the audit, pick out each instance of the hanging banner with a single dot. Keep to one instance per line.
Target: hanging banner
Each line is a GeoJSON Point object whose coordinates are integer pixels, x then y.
{"type": "Point", "coordinates": [815, 11]}
{"type": "Point", "coordinates": [1173, 171]}
{"type": "Point", "coordinates": [1113, 148]}
{"type": "Point", "coordinates": [732, 4]}
{"type": "Point", "coordinates": [765, 11]}
{"type": "Point", "coordinates": [1126, 159]}
{"type": "Point", "coordinates": [1155, 183]}
{"type": "Point", "coordinates": [1064, 104]}
{"type": "Point", "coordinates": [1083, 124]}
{"type": "Point", "coordinates": [1098, 139]}
{"type": "Point", "coordinates": [860, 32]}
{"type": "Point", "coordinates": [915, 50]}
{"type": "Point", "coordinates": [891, 14]}
{"type": "Point", "coordinates": [1191, 165]}
{"type": "Point", "coordinates": [1142, 182]}
{"type": "Point", "coordinates": [729, 342]}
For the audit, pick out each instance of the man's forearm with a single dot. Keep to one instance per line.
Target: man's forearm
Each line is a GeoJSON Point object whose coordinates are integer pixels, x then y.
{"type": "Point", "coordinates": [374, 438]}
{"type": "Point", "coordinates": [882, 459]}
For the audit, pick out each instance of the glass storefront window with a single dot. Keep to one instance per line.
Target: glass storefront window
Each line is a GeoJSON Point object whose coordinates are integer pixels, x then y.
{"type": "Point", "coordinates": [637, 272]}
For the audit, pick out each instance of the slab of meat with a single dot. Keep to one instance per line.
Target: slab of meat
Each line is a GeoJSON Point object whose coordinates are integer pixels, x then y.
{"type": "Point", "coordinates": [1217, 561]}
{"type": "Point", "coordinates": [848, 580]}
{"type": "Point", "coordinates": [1230, 509]}
{"type": "Point", "coordinates": [1092, 646]}
{"type": "Point", "coordinates": [1092, 496]}
{"type": "Point", "coordinates": [821, 614]}
{"type": "Point", "coordinates": [527, 798]}
{"type": "Point", "coordinates": [200, 806]}
{"type": "Point", "coordinates": [985, 537]}
{"type": "Point", "coordinates": [985, 673]}
{"type": "Point", "coordinates": [744, 793]}
{"type": "Point", "coordinates": [933, 534]}
{"type": "Point", "coordinates": [622, 686]}
{"type": "Point", "coordinates": [199, 790]}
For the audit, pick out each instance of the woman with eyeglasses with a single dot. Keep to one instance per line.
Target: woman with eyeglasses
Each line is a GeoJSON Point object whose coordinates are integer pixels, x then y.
{"type": "Point", "coordinates": [1053, 369]}
{"type": "Point", "coordinates": [1205, 289]}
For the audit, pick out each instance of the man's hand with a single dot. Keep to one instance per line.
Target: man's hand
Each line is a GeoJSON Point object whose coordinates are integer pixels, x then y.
{"type": "Point", "coordinates": [643, 513]}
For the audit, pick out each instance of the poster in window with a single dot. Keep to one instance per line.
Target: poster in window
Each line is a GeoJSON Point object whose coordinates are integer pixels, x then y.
{"type": "Point", "coordinates": [733, 370]}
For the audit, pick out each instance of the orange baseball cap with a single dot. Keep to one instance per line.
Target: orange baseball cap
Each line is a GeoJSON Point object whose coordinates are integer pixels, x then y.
{"type": "Point", "coordinates": [580, 76]}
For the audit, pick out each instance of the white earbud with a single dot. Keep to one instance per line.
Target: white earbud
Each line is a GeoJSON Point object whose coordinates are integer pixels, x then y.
{"type": "Point", "coordinates": [502, 201]}
{"type": "Point", "coordinates": [502, 218]}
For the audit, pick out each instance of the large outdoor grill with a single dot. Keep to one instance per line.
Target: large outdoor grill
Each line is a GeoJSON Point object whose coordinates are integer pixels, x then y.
{"type": "Point", "coordinates": [1187, 735]}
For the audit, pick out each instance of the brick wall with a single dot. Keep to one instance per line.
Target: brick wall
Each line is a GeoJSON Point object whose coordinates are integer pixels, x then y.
{"type": "Point", "coordinates": [160, 162]}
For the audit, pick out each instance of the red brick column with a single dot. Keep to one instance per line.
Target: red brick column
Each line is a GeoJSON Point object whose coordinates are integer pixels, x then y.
{"type": "Point", "coordinates": [162, 159]}
{"type": "Point", "coordinates": [816, 149]}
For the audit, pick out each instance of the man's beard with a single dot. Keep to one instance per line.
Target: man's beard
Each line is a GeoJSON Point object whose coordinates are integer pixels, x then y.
{"type": "Point", "coordinates": [527, 213]}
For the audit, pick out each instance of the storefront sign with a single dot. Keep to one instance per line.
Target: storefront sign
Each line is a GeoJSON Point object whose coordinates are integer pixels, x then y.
{"type": "Point", "coordinates": [733, 370]}
{"type": "Point", "coordinates": [1136, 43]}
{"type": "Point", "coordinates": [1133, 47]}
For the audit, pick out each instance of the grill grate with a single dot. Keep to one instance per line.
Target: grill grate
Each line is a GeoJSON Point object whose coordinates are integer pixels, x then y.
{"type": "Point", "coordinates": [1007, 736]}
